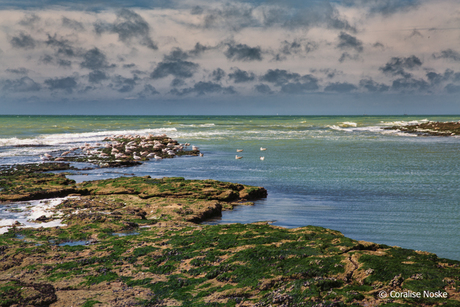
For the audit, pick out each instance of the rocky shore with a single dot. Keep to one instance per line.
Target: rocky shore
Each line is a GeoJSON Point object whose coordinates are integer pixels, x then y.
{"type": "Point", "coordinates": [137, 241]}
{"type": "Point", "coordinates": [430, 128]}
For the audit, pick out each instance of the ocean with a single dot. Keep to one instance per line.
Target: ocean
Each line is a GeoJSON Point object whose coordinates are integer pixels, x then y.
{"type": "Point", "coordinates": [346, 173]}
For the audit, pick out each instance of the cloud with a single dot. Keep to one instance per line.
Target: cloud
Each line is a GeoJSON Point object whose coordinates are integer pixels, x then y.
{"type": "Point", "coordinates": [231, 16]}
{"type": "Point", "coordinates": [242, 52]}
{"type": "Point", "coordinates": [19, 71]}
{"type": "Point", "coordinates": [122, 84]}
{"type": "Point", "coordinates": [179, 69]}
{"type": "Point", "coordinates": [340, 87]}
{"type": "Point", "coordinates": [128, 25]}
{"type": "Point", "coordinates": [23, 40]}
{"type": "Point", "coordinates": [95, 59]}
{"type": "Point", "coordinates": [263, 89]}
{"type": "Point", "coordinates": [397, 65]}
{"type": "Point", "coordinates": [202, 88]}
{"type": "Point", "coordinates": [452, 88]}
{"type": "Point", "coordinates": [218, 74]}
{"type": "Point", "coordinates": [67, 84]}
{"type": "Point", "coordinates": [148, 91]}
{"type": "Point", "coordinates": [199, 49]}
{"type": "Point", "coordinates": [410, 85]}
{"type": "Point", "coordinates": [63, 46]}
{"type": "Point", "coordinates": [30, 20]}
{"type": "Point", "coordinates": [24, 84]}
{"type": "Point", "coordinates": [176, 82]}
{"type": "Point", "coordinates": [348, 56]}
{"type": "Point", "coordinates": [448, 54]}
{"type": "Point", "coordinates": [72, 24]}
{"type": "Point", "coordinates": [177, 54]}
{"type": "Point", "coordinates": [279, 76]}
{"type": "Point", "coordinates": [372, 86]}
{"type": "Point", "coordinates": [97, 76]}
{"type": "Point", "coordinates": [240, 76]}
{"type": "Point", "coordinates": [347, 41]}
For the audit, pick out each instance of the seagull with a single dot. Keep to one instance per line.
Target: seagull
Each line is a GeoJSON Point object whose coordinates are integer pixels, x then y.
{"type": "Point", "coordinates": [135, 156]}
{"type": "Point", "coordinates": [201, 154]}
{"type": "Point", "coordinates": [158, 157]}
{"type": "Point", "coordinates": [238, 157]}
{"type": "Point", "coordinates": [239, 150]}
{"type": "Point", "coordinates": [262, 149]}
{"type": "Point", "coordinates": [262, 158]}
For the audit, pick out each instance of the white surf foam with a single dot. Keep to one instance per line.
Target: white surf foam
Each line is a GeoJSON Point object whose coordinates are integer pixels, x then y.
{"type": "Point", "coordinates": [26, 212]}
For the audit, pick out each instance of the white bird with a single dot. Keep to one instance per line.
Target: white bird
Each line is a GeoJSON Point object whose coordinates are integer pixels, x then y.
{"type": "Point", "coordinates": [238, 157]}
{"type": "Point", "coordinates": [239, 150]}
{"type": "Point", "coordinates": [262, 158]}
{"type": "Point", "coordinates": [201, 154]}
{"type": "Point", "coordinates": [135, 156]}
{"type": "Point", "coordinates": [262, 149]}
{"type": "Point", "coordinates": [194, 148]}
{"type": "Point", "coordinates": [158, 157]}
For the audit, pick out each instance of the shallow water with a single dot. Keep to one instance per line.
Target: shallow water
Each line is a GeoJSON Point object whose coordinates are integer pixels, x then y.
{"type": "Point", "coordinates": [344, 173]}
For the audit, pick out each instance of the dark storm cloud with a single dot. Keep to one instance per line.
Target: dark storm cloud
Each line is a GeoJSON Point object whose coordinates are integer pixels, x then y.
{"type": "Point", "coordinates": [263, 89]}
{"type": "Point", "coordinates": [202, 88]}
{"type": "Point", "coordinates": [347, 41]}
{"type": "Point", "coordinates": [129, 65]}
{"type": "Point", "coordinates": [397, 66]}
{"type": "Point", "coordinates": [128, 25]}
{"type": "Point", "coordinates": [72, 24]}
{"type": "Point", "coordinates": [23, 40]}
{"type": "Point", "coordinates": [24, 84]}
{"type": "Point", "coordinates": [218, 74]}
{"type": "Point", "coordinates": [242, 52]}
{"type": "Point", "coordinates": [95, 59]}
{"type": "Point", "coordinates": [239, 76]}
{"type": "Point", "coordinates": [97, 76]}
{"type": "Point", "coordinates": [448, 54]}
{"type": "Point", "coordinates": [340, 87]}
{"type": "Point", "coordinates": [409, 85]}
{"type": "Point", "coordinates": [67, 84]}
{"type": "Point", "coordinates": [19, 71]}
{"type": "Point", "coordinates": [122, 84]}
{"type": "Point", "coordinates": [179, 69]}
{"type": "Point", "coordinates": [148, 91]}
{"type": "Point", "coordinates": [372, 86]}
{"type": "Point", "coordinates": [279, 77]}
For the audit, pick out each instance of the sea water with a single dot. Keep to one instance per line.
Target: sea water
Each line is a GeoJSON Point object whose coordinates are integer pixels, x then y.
{"type": "Point", "coordinates": [344, 173]}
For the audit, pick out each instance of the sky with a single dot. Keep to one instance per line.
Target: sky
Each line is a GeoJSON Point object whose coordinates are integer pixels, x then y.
{"type": "Point", "coordinates": [158, 57]}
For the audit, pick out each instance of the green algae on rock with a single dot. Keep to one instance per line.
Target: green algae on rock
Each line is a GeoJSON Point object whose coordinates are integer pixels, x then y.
{"type": "Point", "coordinates": [430, 128]}
{"type": "Point", "coordinates": [169, 260]}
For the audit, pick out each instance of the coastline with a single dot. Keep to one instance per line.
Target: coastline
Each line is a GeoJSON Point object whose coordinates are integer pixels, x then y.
{"type": "Point", "coordinates": [118, 248]}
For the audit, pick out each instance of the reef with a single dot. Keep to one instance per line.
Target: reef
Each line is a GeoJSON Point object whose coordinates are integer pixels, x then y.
{"type": "Point", "coordinates": [125, 150]}
{"type": "Point", "coordinates": [138, 241]}
{"type": "Point", "coordinates": [430, 128]}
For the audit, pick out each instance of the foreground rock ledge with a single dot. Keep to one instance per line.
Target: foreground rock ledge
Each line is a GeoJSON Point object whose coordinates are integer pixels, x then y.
{"type": "Point", "coordinates": [136, 242]}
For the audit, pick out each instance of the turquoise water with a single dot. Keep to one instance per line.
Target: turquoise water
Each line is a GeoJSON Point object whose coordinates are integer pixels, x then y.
{"type": "Point", "coordinates": [344, 173]}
